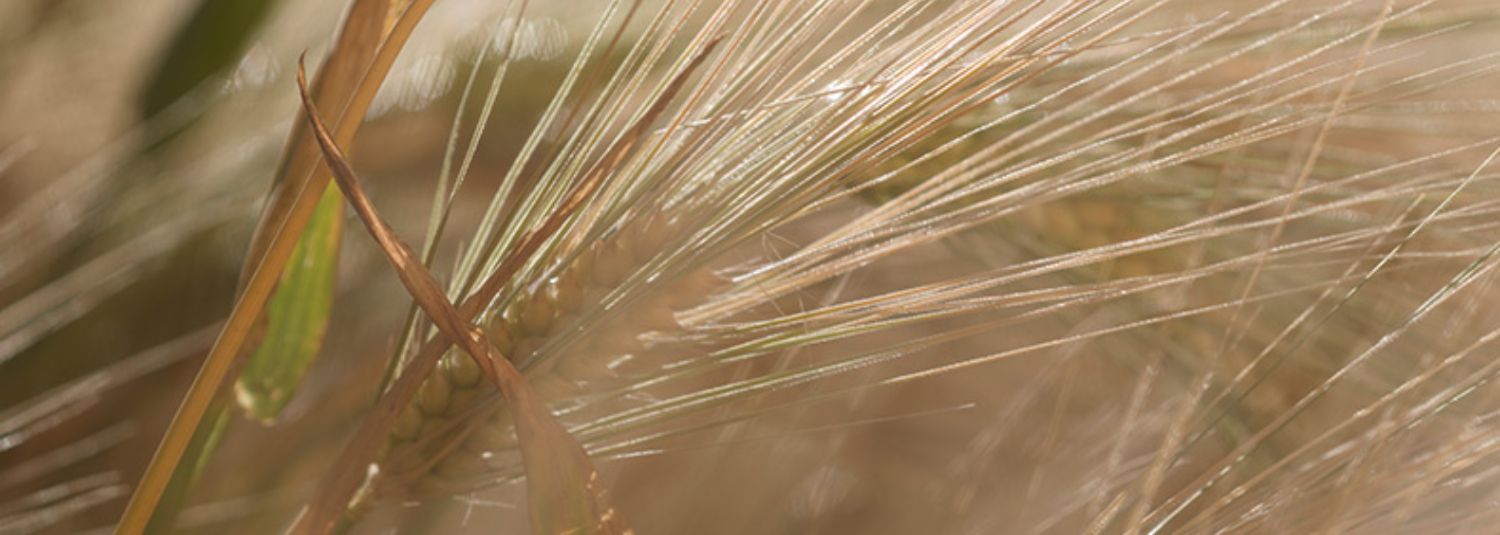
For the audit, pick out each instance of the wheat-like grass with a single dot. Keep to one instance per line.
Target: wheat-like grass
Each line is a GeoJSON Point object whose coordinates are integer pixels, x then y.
{"type": "Point", "coordinates": [962, 266]}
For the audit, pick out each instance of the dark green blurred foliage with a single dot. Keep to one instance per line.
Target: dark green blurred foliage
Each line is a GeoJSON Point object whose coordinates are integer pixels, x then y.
{"type": "Point", "coordinates": [206, 44]}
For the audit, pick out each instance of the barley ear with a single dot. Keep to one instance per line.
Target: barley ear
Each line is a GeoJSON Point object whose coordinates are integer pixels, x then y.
{"type": "Point", "coordinates": [563, 484]}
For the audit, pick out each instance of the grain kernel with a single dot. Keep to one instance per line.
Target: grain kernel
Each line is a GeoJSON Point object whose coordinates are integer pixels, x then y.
{"type": "Point", "coordinates": [461, 369]}
{"type": "Point", "coordinates": [538, 314]}
{"type": "Point", "coordinates": [500, 336]}
{"type": "Point", "coordinates": [434, 395]}
{"type": "Point", "coordinates": [407, 424]}
{"type": "Point", "coordinates": [463, 400]}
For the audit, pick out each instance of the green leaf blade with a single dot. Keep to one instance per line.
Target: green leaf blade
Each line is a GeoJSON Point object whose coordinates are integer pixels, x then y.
{"type": "Point", "coordinates": [296, 318]}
